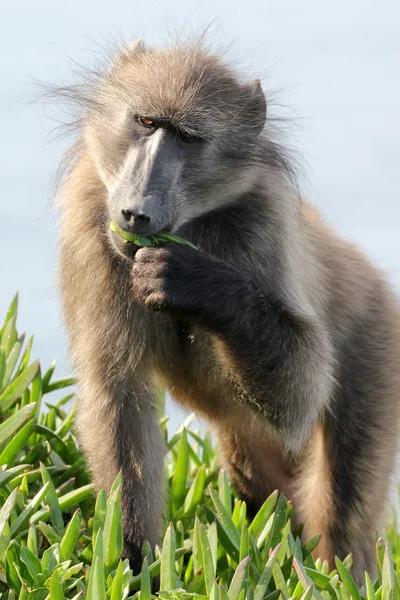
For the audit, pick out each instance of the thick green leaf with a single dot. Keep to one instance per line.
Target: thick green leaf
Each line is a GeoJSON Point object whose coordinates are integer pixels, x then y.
{"type": "Point", "coordinates": [195, 493]}
{"type": "Point", "coordinates": [208, 563]}
{"type": "Point", "coordinates": [18, 386]}
{"type": "Point", "coordinates": [58, 384]}
{"type": "Point", "coordinates": [116, 588]}
{"type": "Point", "coordinates": [347, 580]}
{"type": "Point", "coordinates": [71, 536]}
{"type": "Point", "coordinates": [17, 443]}
{"type": "Point", "coordinates": [99, 513]}
{"type": "Point", "coordinates": [52, 500]}
{"type": "Point", "coordinates": [13, 565]}
{"type": "Point", "coordinates": [167, 569]}
{"type": "Point", "coordinates": [388, 575]}
{"type": "Point", "coordinates": [23, 519]}
{"type": "Point", "coordinates": [178, 485]}
{"type": "Point", "coordinates": [224, 491]}
{"type": "Point", "coordinates": [112, 533]}
{"type": "Point", "coordinates": [32, 563]}
{"type": "Point", "coordinates": [225, 518]}
{"type": "Point", "coordinates": [11, 425]}
{"type": "Point", "coordinates": [12, 312]}
{"type": "Point", "coordinates": [12, 360]}
{"type": "Point", "coordinates": [66, 501]}
{"type": "Point", "coordinates": [369, 588]}
{"type": "Point", "coordinates": [266, 575]}
{"type": "Point", "coordinates": [6, 509]}
{"type": "Point", "coordinates": [145, 584]}
{"type": "Point", "coordinates": [99, 586]}
{"type": "Point", "coordinates": [9, 336]}
{"type": "Point", "coordinates": [238, 579]}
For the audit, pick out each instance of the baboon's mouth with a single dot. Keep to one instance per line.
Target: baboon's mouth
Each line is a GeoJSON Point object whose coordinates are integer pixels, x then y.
{"type": "Point", "coordinates": [129, 248]}
{"type": "Point", "coordinates": [124, 248]}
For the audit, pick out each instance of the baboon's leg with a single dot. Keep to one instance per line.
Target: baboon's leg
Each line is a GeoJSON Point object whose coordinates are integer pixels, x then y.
{"type": "Point", "coordinates": [342, 489]}
{"type": "Point", "coordinates": [118, 430]}
{"type": "Point", "coordinates": [254, 460]}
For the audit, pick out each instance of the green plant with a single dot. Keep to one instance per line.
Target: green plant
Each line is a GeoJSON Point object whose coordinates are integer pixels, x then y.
{"type": "Point", "coordinates": [58, 540]}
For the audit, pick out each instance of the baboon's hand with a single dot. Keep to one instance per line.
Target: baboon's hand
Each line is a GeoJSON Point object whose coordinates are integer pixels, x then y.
{"type": "Point", "coordinates": [184, 281]}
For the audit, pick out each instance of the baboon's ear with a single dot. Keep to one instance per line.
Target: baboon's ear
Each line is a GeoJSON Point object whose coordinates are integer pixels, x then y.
{"type": "Point", "coordinates": [133, 49]}
{"type": "Point", "coordinates": [256, 106]}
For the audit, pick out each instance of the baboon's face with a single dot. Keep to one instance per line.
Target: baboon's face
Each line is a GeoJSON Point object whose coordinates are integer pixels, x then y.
{"type": "Point", "coordinates": [173, 137]}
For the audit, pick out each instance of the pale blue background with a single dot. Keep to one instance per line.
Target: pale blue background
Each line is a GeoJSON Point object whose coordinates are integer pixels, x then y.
{"type": "Point", "coordinates": [338, 62]}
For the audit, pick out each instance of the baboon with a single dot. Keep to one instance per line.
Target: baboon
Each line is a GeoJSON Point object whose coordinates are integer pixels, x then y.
{"type": "Point", "coordinates": [280, 334]}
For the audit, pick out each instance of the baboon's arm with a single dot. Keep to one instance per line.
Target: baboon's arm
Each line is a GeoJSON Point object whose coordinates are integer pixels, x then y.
{"type": "Point", "coordinates": [119, 431]}
{"type": "Point", "coordinates": [281, 360]}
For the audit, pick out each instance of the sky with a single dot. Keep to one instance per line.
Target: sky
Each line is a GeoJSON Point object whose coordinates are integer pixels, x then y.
{"type": "Point", "coordinates": [336, 64]}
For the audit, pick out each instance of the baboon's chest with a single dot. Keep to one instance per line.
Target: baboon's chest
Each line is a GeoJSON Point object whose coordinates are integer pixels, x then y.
{"type": "Point", "coordinates": [192, 373]}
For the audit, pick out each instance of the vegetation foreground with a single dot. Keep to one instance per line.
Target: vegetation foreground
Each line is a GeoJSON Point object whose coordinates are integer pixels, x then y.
{"type": "Point", "coordinates": [58, 540]}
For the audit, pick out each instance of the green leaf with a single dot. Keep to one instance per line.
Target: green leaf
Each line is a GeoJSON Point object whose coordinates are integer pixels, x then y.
{"type": "Point", "coordinates": [32, 542]}
{"type": "Point", "coordinates": [99, 587]}
{"type": "Point", "coordinates": [11, 425]}
{"type": "Point", "coordinates": [48, 375]}
{"type": "Point", "coordinates": [17, 443]}
{"type": "Point", "coordinates": [50, 559]}
{"type": "Point", "coordinates": [145, 584]}
{"type": "Point", "coordinates": [258, 523]}
{"type": "Point", "coordinates": [99, 513]}
{"type": "Point", "coordinates": [12, 474]}
{"type": "Point", "coordinates": [347, 580]}
{"type": "Point", "coordinates": [13, 565]}
{"type": "Point", "coordinates": [225, 518]}
{"type": "Point", "coordinates": [66, 501]}
{"type": "Point", "coordinates": [310, 546]}
{"type": "Point", "coordinates": [11, 313]}
{"type": "Point", "coordinates": [305, 580]}
{"type": "Point", "coordinates": [25, 357]}
{"type": "Point", "coordinates": [167, 570]}
{"type": "Point", "coordinates": [369, 588]}
{"type": "Point", "coordinates": [280, 582]}
{"type": "Point", "coordinates": [168, 237]}
{"type": "Point", "coordinates": [244, 544]}
{"type": "Point", "coordinates": [12, 360]}
{"type": "Point", "coordinates": [51, 536]}
{"type": "Point", "coordinates": [71, 536]}
{"type": "Point", "coordinates": [97, 558]}
{"type": "Point", "coordinates": [308, 593]}
{"type": "Point", "coordinates": [275, 534]}
{"type": "Point", "coordinates": [9, 335]}
{"type": "Point", "coordinates": [116, 588]}
{"type": "Point", "coordinates": [58, 384]}
{"type": "Point", "coordinates": [178, 485]}
{"type": "Point", "coordinates": [214, 594]}
{"type": "Point", "coordinates": [18, 386]}
{"type": "Point", "coordinates": [238, 579]}
{"type": "Point", "coordinates": [52, 500]}
{"type": "Point", "coordinates": [229, 545]}
{"type": "Point", "coordinates": [388, 575]}
{"type": "Point", "coordinates": [262, 585]}
{"type": "Point", "coordinates": [22, 520]}
{"type": "Point", "coordinates": [224, 491]}
{"type": "Point", "coordinates": [195, 493]}
{"type": "Point", "coordinates": [112, 533]}
{"type": "Point", "coordinates": [6, 509]}
{"type": "Point", "coordinates": [23, 595]}
{"type": "Point", "coordinates": [208, 564]}
{"type": "Point", "coordinates": [32, 563]}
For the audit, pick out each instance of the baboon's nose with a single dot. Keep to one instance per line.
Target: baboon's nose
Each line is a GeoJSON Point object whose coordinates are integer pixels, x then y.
{"type": "Point", "coordinates": [134, 217]}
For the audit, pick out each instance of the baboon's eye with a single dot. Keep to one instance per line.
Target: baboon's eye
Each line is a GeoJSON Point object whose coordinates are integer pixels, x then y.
{"type": "Point", "coordinates": [148, 122]}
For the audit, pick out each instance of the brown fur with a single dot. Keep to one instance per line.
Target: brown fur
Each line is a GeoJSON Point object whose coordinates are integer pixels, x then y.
{"type": "Point", "coordinates": [316, 415]}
